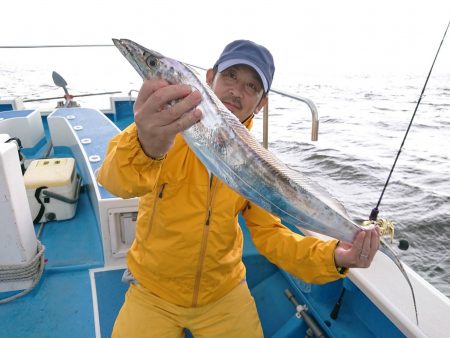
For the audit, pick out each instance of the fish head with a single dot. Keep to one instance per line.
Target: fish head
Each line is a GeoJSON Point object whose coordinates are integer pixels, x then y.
{"type": "Point", "coordinates": [148, 63]}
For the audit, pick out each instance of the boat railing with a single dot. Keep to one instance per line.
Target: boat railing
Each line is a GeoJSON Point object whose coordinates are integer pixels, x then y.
{"type": "Point", "coordinates": [308, 102]}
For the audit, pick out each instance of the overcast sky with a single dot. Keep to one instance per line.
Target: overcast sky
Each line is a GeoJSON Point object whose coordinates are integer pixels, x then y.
{"type": "Point", "coordinates": [303, 35]}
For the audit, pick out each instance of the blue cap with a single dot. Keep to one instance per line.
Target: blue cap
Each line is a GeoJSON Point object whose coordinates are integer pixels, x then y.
{"type": "Point", "coordinates": [248, 53]}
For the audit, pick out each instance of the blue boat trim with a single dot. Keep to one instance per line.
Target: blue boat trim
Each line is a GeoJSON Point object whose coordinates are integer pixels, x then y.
{"type": "Point", "coordinates": [15, 113]}
{"type": "Point", "coordinates": [5, 107]}
{"type": "Point", "coordinates": [37, 151]}
{"type": "Point", "coordinates": [106, 282]}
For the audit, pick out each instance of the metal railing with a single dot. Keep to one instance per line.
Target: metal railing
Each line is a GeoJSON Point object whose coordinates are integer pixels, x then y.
{"type": "Point", "coordinates": [309, 103]}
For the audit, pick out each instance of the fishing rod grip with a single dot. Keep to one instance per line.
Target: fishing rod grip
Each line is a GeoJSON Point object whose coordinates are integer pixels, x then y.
{"type": "Point", "coordinates": [374, 214]}
{"type": "Point", "coordinates": [337, 307]}
{"type": "Point", "coordinates": [335, 312]}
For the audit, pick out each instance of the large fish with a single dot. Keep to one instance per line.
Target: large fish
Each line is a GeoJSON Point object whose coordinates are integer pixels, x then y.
{"type": "Point", "coordinates": [232, 154]}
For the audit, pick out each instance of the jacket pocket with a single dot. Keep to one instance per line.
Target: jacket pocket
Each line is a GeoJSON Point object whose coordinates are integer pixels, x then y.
{"type": "Point", "coordinates": [156, 201]}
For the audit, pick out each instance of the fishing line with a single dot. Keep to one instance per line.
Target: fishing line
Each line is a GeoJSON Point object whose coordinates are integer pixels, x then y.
{"type": "Point", "coordinates": [374, 214]}
{"type": "Point", "coordinates": [54, 46]}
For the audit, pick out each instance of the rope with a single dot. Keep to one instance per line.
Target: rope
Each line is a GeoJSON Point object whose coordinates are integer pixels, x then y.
{"type": "Point", "coordinates": [32, 270]}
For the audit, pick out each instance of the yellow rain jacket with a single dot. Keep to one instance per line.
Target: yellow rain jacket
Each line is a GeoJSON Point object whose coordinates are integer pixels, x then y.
{"type": "Point", "coordinates": [188, 246]}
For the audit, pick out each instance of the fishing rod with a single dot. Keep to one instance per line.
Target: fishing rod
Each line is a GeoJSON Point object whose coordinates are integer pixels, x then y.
{"type": "Point", "coordinates": [374, 213]}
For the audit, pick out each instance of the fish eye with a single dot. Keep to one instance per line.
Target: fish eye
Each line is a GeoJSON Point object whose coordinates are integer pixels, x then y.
{"type": "Point", "coordinates": [152, 61]}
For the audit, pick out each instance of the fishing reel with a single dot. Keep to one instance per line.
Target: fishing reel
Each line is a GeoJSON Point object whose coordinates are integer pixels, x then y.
{"type": "Point", "coordinates": [387, 229]}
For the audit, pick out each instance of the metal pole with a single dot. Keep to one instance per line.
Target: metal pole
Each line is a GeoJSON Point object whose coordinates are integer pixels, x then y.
{"type": "Point", "coordinates": [266, 125]}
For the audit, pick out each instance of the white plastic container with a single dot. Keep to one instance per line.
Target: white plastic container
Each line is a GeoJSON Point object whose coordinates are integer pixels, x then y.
{"type": "Point", "coordinates": [52, 187]}
{"type": "Point", "coordinates": [18, 244]}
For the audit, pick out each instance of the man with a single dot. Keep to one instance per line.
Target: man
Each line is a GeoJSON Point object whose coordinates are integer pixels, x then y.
{"type": "Point", "coordinates": [186, 262]}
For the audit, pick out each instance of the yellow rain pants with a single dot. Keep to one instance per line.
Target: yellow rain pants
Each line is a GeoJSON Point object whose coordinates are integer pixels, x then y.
{"type": "Point", "coordinates": [146, 315]}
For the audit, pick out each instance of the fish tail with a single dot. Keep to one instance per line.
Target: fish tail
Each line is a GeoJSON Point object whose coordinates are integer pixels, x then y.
{"type": "Point", "coordinates": [385, 248]}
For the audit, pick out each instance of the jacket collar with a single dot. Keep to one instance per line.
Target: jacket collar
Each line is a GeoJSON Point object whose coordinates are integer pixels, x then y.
{"type": "Point", "coordinates": [248, 123]}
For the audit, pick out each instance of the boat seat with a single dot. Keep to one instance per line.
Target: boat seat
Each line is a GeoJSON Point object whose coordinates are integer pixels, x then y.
{"type": "Point", "coordinates": [27, 126]}
{"type": "Point", "coordinates": [11, 104]}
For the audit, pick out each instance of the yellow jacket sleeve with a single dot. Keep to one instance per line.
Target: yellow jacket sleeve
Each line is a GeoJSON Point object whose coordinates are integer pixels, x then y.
{"type": "Point", "coordinates": [126, 170]}
{"type": "Point", "coordinates": [308, 258]}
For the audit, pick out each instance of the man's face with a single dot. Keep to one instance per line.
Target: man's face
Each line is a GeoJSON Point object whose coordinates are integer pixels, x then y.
{"type": "Point", "coordinates": [239, 88]}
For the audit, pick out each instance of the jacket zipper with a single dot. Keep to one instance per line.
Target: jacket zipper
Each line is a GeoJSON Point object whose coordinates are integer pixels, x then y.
{"type": "Point", "coordinates": [198, 275]}
{"type": "Point", "coordinates": [155, 204]}
{"type": "Point", "coordinates": [208, 208]}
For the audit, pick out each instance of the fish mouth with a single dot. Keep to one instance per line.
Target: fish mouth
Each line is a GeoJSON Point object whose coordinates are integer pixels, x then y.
{"type": "Point", "coordinates": [123, 46]}
{"type": "Point", "coordinates": [118, 44]}
{"type": "Point", "coordinates": [135, 54]}
{"type": "Point", "coordinates": [128, 49]}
